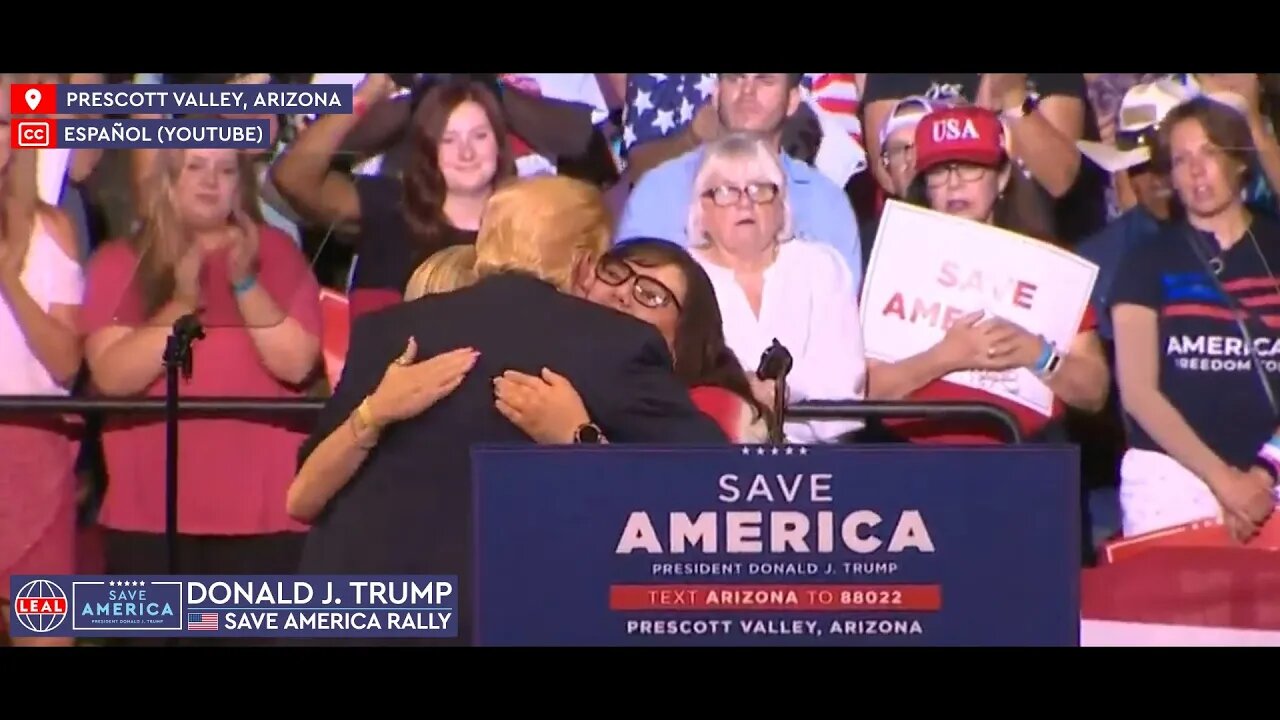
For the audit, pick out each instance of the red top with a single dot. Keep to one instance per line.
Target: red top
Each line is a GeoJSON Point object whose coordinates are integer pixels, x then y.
{"type": "Point", "coordinates": [974, 432]}
{"type": "Point", "coordinates": [734, 416]}
{"type": "Point", "coordinates": [232, 473]}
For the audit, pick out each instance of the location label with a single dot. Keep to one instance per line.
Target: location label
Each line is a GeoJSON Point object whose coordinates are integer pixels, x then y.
{"type": "Point", "coordinates": [27, 99]}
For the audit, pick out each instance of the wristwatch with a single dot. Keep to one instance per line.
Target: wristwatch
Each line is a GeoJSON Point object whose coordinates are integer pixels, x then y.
{"type": "Point", "coordinates": [1027, 107]}
{"type": "Point", "coordinates": [1051, 367]}
{"type": "Point", "coordinates": [1049, 362]}
{"type": "Point", "coordinates": [588, 434]}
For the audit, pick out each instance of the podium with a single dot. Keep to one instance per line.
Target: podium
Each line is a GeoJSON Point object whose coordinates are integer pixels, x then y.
{"type": "Point", "coordinates": [763, 545]}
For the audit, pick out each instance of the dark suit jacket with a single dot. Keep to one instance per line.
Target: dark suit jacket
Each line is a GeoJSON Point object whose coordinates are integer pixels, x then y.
{"type": "Point", "coordinates": [408, 509]}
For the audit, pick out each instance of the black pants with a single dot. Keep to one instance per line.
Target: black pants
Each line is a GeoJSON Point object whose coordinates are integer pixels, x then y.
{"type": "Point", "coordinates": [140, 553]}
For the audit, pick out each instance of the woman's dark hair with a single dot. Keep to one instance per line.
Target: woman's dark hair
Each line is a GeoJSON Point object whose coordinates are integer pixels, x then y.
{"type": "Point", "coordinates": [1021, 208]}
{"type": "Point", "coordinates": [424, 185]}
{"type": "Point", "coordinates": [701, 355]}
{"type": "Point", "coordinates": [1225, 127]}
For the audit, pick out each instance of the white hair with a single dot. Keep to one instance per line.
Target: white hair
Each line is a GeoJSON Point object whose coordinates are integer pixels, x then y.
{"type": "Point", "coordinates": [740, 156]}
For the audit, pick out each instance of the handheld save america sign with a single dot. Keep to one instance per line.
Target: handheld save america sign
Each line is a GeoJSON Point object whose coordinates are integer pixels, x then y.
{"type": "Point", "coordinates": [259, 606]}
{"type": "Point", "coordinates": [777, 546]}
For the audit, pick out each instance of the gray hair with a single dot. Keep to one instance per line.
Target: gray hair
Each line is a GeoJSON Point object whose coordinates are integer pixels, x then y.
{"type": "Point", "coordinates": [738, 155]}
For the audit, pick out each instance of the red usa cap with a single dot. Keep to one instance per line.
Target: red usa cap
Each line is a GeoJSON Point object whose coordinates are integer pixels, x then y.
{"type": "Point", "coordinates": [959, 134]}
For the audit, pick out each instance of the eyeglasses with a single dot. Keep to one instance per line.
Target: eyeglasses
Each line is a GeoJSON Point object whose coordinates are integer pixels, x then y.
{"type": "Point", "coordinates": [901, 155]}
{"type": "Point", "coordinates": [940, 175]}
{"type": "Point", "coordinates": [647, 291]}
{"type": "Point", "coordinates": [728, 195]}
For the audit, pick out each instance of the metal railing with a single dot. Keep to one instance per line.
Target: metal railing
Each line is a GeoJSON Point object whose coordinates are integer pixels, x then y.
{"type": "Point", "coordinates": [813, 410]}
{"type": "Point", "coordinates": [861, 409]}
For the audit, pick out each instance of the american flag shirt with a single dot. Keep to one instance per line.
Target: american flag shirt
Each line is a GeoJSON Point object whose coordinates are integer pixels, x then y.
{"type": "Point", "coordinates": [659, 104]}
{"type": "Point", "coordinates": [837, 95]}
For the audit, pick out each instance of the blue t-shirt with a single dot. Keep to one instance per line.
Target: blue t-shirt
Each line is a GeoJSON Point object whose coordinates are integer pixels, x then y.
{"type": "Point", "coordinates": [1206, 369]}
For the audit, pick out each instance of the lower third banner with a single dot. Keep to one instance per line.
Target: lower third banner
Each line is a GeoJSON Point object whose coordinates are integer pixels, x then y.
{"type": "Point", "coordinates": [254, 606]}
{"type": "Point", "coordinates": [786, 546]}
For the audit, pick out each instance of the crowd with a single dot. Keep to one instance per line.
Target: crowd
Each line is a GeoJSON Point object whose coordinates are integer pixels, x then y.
{"type": "Point", "coordinates": [491, 233]}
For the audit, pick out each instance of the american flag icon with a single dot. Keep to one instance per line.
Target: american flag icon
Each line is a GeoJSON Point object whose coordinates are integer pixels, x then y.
{"type": "Point", "coordinates": [202, 621]}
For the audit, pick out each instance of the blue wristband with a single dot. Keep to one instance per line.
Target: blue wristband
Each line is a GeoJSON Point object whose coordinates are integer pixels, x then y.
{"type": "Point", "coordinates": [1046, 354]}
{"type": "Point", "coordinates": [244, 285]}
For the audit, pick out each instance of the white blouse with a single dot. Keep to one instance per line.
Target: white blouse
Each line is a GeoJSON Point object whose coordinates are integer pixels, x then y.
{"type": "Point", "coordinates": [809, 305]}
{"type": "Point", "coordinates": [51, 278]}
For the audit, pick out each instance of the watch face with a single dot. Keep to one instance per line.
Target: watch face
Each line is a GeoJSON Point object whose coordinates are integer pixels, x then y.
{"type": "Point", "coordinates": [588, 434]}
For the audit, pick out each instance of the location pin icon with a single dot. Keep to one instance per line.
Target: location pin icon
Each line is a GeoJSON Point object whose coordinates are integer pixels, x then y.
{"type": "Point", "coordinates": [33, 98]}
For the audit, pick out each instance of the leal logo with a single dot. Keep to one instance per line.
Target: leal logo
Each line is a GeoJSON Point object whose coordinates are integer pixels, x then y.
{"type": "Point", "coordinates": [40, 606]}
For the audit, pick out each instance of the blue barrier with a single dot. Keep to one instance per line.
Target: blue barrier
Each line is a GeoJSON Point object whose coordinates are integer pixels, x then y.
{"type": "Point", "coordinates": [760, 545]}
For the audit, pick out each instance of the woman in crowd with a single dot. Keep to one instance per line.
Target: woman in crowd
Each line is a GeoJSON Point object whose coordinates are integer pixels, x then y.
{"type": "Point", "coordinates": [770, 285]}
{"type": "Point", "coordinates": [41, 284]}
{"type": "Point", "coordinates": [448, 269]}
{"type": "Point", "coordinates": [660, 283]}
{"type": "Point", "coordinates": [972, 177]}
{"type": "Point", "coordinates": [202, 250]}
{"type": "Point", "coordinates": [275, 211]}
{"type": "Point", "coordinates": [1194, 329]}
{"type": "Point", "coordinates": [459, 154]}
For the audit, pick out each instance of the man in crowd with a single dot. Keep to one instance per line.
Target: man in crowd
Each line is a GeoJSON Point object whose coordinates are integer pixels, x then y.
{"type": "Point", "coordinates": [897, 136]}
{"type": "Point", "coordinates": [745, 102]}
{"type": "Point", "coordinates": [1140, 113]}
{"type": "Point", "coordinates": [387, 472]}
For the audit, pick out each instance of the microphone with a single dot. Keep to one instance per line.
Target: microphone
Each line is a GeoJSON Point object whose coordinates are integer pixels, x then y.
{"type": "Point", "coordinates": [775, 363]}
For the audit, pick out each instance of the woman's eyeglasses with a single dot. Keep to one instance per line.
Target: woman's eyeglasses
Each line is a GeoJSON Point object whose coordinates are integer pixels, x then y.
{"type": "Point", "coordinates": [647, 291]}
{"type": "Point", "coordinates": [727, 195]}
{"type": "Point", "coordinates": [940, 175]}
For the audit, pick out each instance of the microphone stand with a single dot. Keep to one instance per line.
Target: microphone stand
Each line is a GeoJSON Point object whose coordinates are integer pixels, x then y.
{"type": "Point", "coordinates": [177, 359]}
{"type": "Point", "coordinates": [775, 364]}
{"type": "Point", "coordinates": [776, 435]}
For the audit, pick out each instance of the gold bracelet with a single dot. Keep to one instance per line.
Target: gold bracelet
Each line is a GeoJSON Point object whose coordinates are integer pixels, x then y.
{"type": "Point", "coordinates": [360, 442]}
{"type": "Point", "coordinates": [366, 414]}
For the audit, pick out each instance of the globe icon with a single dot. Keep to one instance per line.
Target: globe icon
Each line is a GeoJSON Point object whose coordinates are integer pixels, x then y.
{"type": "Point", "coordinates": [39, 622]}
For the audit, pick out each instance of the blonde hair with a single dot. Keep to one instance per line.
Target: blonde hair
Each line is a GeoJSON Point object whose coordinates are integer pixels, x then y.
{"type": "Point", "coordinates": [446, 270]}
{"type": "Point", "coordinates": [545, 226]}
{"type": "Point", "coordinates": [744, 155]}
{"type": "Point", "coordinates": [162, 237]}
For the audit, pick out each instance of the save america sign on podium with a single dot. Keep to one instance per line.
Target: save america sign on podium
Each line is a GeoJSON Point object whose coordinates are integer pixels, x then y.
{"type": "Point", "coordinates": [755, 545]}
{"type": "Point", "coordinates": [929, 269]}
